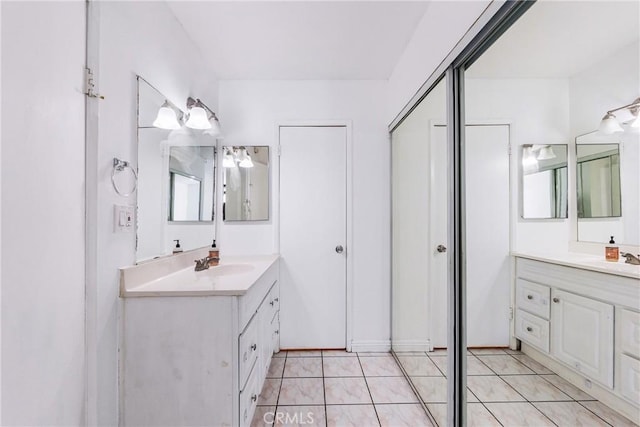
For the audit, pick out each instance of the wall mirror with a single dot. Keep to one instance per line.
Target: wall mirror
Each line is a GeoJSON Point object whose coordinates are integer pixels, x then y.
{"type": "Point", "coordinates": [544, 181]}
{"type": "Point", "coordinates": [246, 183]}
{"type": "Point", "coordinates": [607, 187]}
{"type": "Point", "coordinates": [176, 183]}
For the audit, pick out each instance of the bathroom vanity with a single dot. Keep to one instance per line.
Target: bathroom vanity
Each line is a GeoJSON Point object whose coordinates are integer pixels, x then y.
{"type": "Point", "coordinates": [580, 316]}
{"type": "Point", "coordinates": [196, 346]}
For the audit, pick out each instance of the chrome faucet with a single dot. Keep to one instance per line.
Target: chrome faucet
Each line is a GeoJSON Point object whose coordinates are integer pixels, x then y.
{"type": "Point", "coordinates": [202, 264]}
{"type": "Point", "coordinates": [631, 259]}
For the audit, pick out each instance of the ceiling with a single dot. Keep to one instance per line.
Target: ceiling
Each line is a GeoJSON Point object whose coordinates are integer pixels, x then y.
{"type": "Point", "coordinates": [557, 39]}
{"type": "Point", "coordinates": [292, 40]}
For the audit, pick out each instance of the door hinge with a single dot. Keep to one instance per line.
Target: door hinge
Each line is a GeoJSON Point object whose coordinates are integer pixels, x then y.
{"type": "Point", "coordinates": [279, 150]}
{"type": "Point", "coordinates": [510, 313]}
{"type": "Point", "coordinates": [89, 84]}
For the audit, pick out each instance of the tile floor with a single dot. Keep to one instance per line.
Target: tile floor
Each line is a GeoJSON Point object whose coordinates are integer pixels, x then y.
{"type": "Point", "coordinates": [335, 388]}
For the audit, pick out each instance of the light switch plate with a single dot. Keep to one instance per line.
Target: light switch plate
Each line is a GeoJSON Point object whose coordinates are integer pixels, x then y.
{"type": "Point", "coordinates": [123, 218]}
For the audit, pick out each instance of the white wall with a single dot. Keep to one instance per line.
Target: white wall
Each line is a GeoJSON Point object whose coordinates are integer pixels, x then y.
{"type": "Point", "coordinates": [43, 163]}
{"type": "Point", "coordinates": [441, 28]}
{"type": "Point", "coordinates": [135, 38]}
{"type": "Point", "coordinates": [538, 111]}
{"type": "Point", "coordinates": [250, 112]}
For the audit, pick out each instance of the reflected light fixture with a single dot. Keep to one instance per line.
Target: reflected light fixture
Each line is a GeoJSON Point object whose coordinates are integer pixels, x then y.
{"type": "Point", "coordinates": [546, 153]}
{"type": "Point", "coordinates": [610, 123]}
{"type": "Point", "coordinates": [529, 161]}
{"type": "Point", "coordinates": [245, 159]}
{"type": "Point", "coordinates": [167, 117]}
{"type": "Point", "coordinates": [228, 160]}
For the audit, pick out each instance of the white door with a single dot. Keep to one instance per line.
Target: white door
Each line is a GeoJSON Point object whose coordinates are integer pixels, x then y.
{"type": "Point", "coordinates": [487, 239]}
{"type": "Point", "coordinates": [313, 237]}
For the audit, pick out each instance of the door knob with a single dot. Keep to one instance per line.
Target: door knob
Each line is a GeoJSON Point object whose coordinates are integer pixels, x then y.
{"type": "Point", "coordinates": [441, 248]}
{"type": "Point", "coordinates": [339, 249]}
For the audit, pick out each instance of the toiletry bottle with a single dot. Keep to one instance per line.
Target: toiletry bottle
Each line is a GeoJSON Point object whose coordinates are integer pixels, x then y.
{"type": "Point", "coordinates": [177, 249]}
{"type": "Point", "coordinates": [214, 254]}
{"type": "Point", "coordinates": [612, 252]}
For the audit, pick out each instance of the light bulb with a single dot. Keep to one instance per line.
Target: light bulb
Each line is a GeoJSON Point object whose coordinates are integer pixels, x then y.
{"type": "Point", "coordinates": [198, 119]}
{"type": "Point", "coordinates": [609, 124]}
{"type": "Point", "coordinates": [166, 118]}
{"type": "Point", "coordinates": [245, 159]}
{"type": "Point", "coordinates": [228, 161]}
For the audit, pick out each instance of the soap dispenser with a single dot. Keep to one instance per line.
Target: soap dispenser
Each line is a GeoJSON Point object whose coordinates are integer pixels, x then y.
{"type": "Point", "coordinates": [612, 252]}
{"type": "Point", "coordinates": [177, 249]}
{"type": "Point", "coordinates": [214, 254]}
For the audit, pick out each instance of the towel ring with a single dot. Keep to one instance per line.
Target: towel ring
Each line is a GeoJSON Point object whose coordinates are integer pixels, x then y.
{"type": "Point", "coordinates": [120, 166]}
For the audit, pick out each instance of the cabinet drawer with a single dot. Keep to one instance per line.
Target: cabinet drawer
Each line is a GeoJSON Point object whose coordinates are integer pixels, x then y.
{"type": "Point", "coordinates": [533, 298]}
{"type": "Point", "coordinates": [249, 399]}
{"type": "Point", "coordinates": [628, 324]}
{"type": "Point", "coordinates": [532, 330]}
{"type": "Point", "coordinates": [630, 378]}
{"type": "Point", "coordinates": [248, 350]}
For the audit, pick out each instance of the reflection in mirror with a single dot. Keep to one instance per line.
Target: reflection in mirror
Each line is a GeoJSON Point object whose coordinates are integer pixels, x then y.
{"type": "Point", "coordinates": [191, 183]}
{"type": "Point", "coordinates": [544, 181]}
{"type": "Point", "coordinates": [169, 165]}
{"type": "Point", "coordinates": [598, 180]}
{"type": "Point", "coordinates": [246, 183]}
{"type": "Point", "coordinates": [607, 181]}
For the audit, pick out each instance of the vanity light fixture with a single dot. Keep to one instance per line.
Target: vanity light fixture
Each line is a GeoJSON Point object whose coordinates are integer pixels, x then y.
{"type": "Point", "coordinates": [167, 117]}
{"type": "Point", "coordinates": [610, 124]}
{"type": "Point", "coordinates": [202, 117]}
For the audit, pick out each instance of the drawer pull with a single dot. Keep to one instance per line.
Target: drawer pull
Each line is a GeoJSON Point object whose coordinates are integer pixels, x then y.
{"type": "Point", "coordinates": [529, 329]}
{"type": "Point", "coordinates": [277, 331]}
{"type": "Point", "coordinates": [254, 347]}
{"type": "Point", "coordinates": [277, 299]}
{"type": "Point", "coordinates": [254, 397]}
{"type": "Point", "coordinates": [271, 303]}
{"type": "Point", "coordinates": [556, 299]}
{"type": "Point", "coordinates": [529, 296]}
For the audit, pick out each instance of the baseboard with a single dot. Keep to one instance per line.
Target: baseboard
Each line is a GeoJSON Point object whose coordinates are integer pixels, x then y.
{"type": "Point", "coordinates": [383, 346]}
{"type": "Point", "coordinates": [400, 346]}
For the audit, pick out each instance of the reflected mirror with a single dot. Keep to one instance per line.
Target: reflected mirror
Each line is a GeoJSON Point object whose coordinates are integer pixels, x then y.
{"type": "Point", "coordinates": [246, 183]}
{"type": "Point", "coordinates": [607, 187]}
{"type": "Point", "coordinates": [191, 183]}
{"type": "Point", "coordinates": [544, 181]}
{"type": "Point", "coordinates": [598, 180]}
{"type": "Point", "coordinates": [176, 183]}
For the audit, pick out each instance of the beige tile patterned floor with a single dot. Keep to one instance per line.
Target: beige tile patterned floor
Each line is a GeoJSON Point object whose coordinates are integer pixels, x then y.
{"type": "Point", "coordinates": [335, 388]}
{"type": "Point", "coordinates": [505, 388]}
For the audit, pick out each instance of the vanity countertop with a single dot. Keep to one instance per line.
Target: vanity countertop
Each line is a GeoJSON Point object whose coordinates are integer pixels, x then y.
{"type": "Point", "coordinates": [586, 262]}
{"type": "Point", "coordinates": [232, 277]}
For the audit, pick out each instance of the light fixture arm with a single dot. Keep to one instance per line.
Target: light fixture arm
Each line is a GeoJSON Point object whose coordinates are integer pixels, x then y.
{"type": "Point", "coordinates": [198, 103]}
{"type": "Point", "coordinates": [634, 107]}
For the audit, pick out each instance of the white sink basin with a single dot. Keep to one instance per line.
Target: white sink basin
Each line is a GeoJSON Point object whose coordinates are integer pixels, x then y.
{"type": "Point", "coordinates": [230, 269]}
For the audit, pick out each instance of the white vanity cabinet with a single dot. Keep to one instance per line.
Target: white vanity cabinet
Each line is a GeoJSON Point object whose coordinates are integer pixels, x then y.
{"type": "Point", "coordinates": [582, 334]}
{"type": "Point", "coordinates": [198, 360]}
{"type": "Point", "coordinates": [584, 325]}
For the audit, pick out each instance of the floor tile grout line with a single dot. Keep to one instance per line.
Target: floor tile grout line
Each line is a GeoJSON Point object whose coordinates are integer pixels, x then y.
{"type": "Point", "coordinates": [595, 413]}
{"type": "Point", "coordinates": [324, 390]}
{"type": "Point", "coordinates": [366, 383]}
{"type": "Point", "coordinates": [422, 403]}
